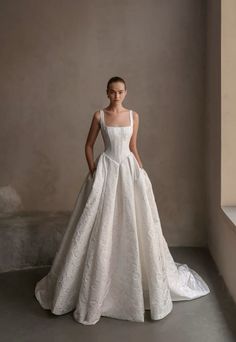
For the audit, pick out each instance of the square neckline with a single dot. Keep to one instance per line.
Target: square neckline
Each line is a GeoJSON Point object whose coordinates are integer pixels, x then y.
{"type": "Point", "coordinates": [130, 118]}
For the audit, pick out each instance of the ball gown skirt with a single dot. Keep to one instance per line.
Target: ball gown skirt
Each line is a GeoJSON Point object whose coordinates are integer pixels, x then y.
{"type": "Point", "coordinates": [113, 259]}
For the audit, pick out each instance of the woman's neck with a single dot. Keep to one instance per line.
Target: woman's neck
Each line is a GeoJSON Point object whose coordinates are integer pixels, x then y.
{"type": "Point", "coordinates": [115, 108]}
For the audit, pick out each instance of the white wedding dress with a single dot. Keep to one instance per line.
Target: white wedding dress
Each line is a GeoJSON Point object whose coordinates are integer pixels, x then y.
{"type": "Point", "coordinates": [113, 259]}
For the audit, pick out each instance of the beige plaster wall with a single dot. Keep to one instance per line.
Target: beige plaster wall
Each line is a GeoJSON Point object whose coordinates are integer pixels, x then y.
{"type": "Point", "coordinates": [221, 231]}
{"type": "Point", "coordinates": [56, 58]}
{"type": "Point", "coordinates": [228, 104]}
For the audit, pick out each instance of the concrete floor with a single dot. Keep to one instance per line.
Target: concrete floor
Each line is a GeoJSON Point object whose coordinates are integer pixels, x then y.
{"type": "Point", "coordinates": [208, 319]}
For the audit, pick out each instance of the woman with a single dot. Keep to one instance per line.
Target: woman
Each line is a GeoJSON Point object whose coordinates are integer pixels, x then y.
{"type": "Point", "coordinates": [113, 259]}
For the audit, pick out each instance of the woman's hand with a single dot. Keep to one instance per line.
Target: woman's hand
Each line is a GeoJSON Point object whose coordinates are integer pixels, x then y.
{"type": "Point", "coordinates": [93, 171]}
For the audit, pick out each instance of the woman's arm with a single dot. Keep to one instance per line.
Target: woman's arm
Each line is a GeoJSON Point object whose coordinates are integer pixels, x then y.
{"type": "Point", "coordinates": [133, 140]}
{"type": "Point", "coordinates": [90, 141]}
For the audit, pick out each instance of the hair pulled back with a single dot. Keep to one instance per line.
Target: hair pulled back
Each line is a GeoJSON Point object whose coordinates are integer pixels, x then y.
{"type": "Point", "coordinates": [115, 79]}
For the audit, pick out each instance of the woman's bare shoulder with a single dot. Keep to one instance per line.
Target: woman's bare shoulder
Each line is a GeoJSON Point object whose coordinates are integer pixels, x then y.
{"type": "Point", "coordinates": [96, 116]}
{"type": "Point", "coordinates": [135, 115]}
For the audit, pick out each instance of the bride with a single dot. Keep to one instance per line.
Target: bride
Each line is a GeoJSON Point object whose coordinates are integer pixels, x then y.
{"type": "Point", "coordinates": [113, 259]}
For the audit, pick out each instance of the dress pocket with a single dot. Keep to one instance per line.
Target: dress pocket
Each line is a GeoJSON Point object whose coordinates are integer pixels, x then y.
{"type": "Point", "coordinates": [140, 168]}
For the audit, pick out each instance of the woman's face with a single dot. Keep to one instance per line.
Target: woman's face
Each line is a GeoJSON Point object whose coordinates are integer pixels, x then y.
{"type": "Point", "coordinates": [116, 92]}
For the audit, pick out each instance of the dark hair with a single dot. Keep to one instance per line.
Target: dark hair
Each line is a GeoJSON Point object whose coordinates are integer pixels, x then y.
{"type": "Point", "coordinates": [115, 79]}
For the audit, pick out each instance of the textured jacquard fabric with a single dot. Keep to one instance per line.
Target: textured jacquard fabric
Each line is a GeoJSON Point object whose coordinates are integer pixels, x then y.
{"type": "Point", "coordinates": [113, 259]}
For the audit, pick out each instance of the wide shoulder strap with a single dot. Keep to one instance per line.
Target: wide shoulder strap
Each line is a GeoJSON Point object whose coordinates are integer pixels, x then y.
{"type": "Point", "coordinates": [131, 117]}
{"type": "Point", "coordinates": [101, 118]}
